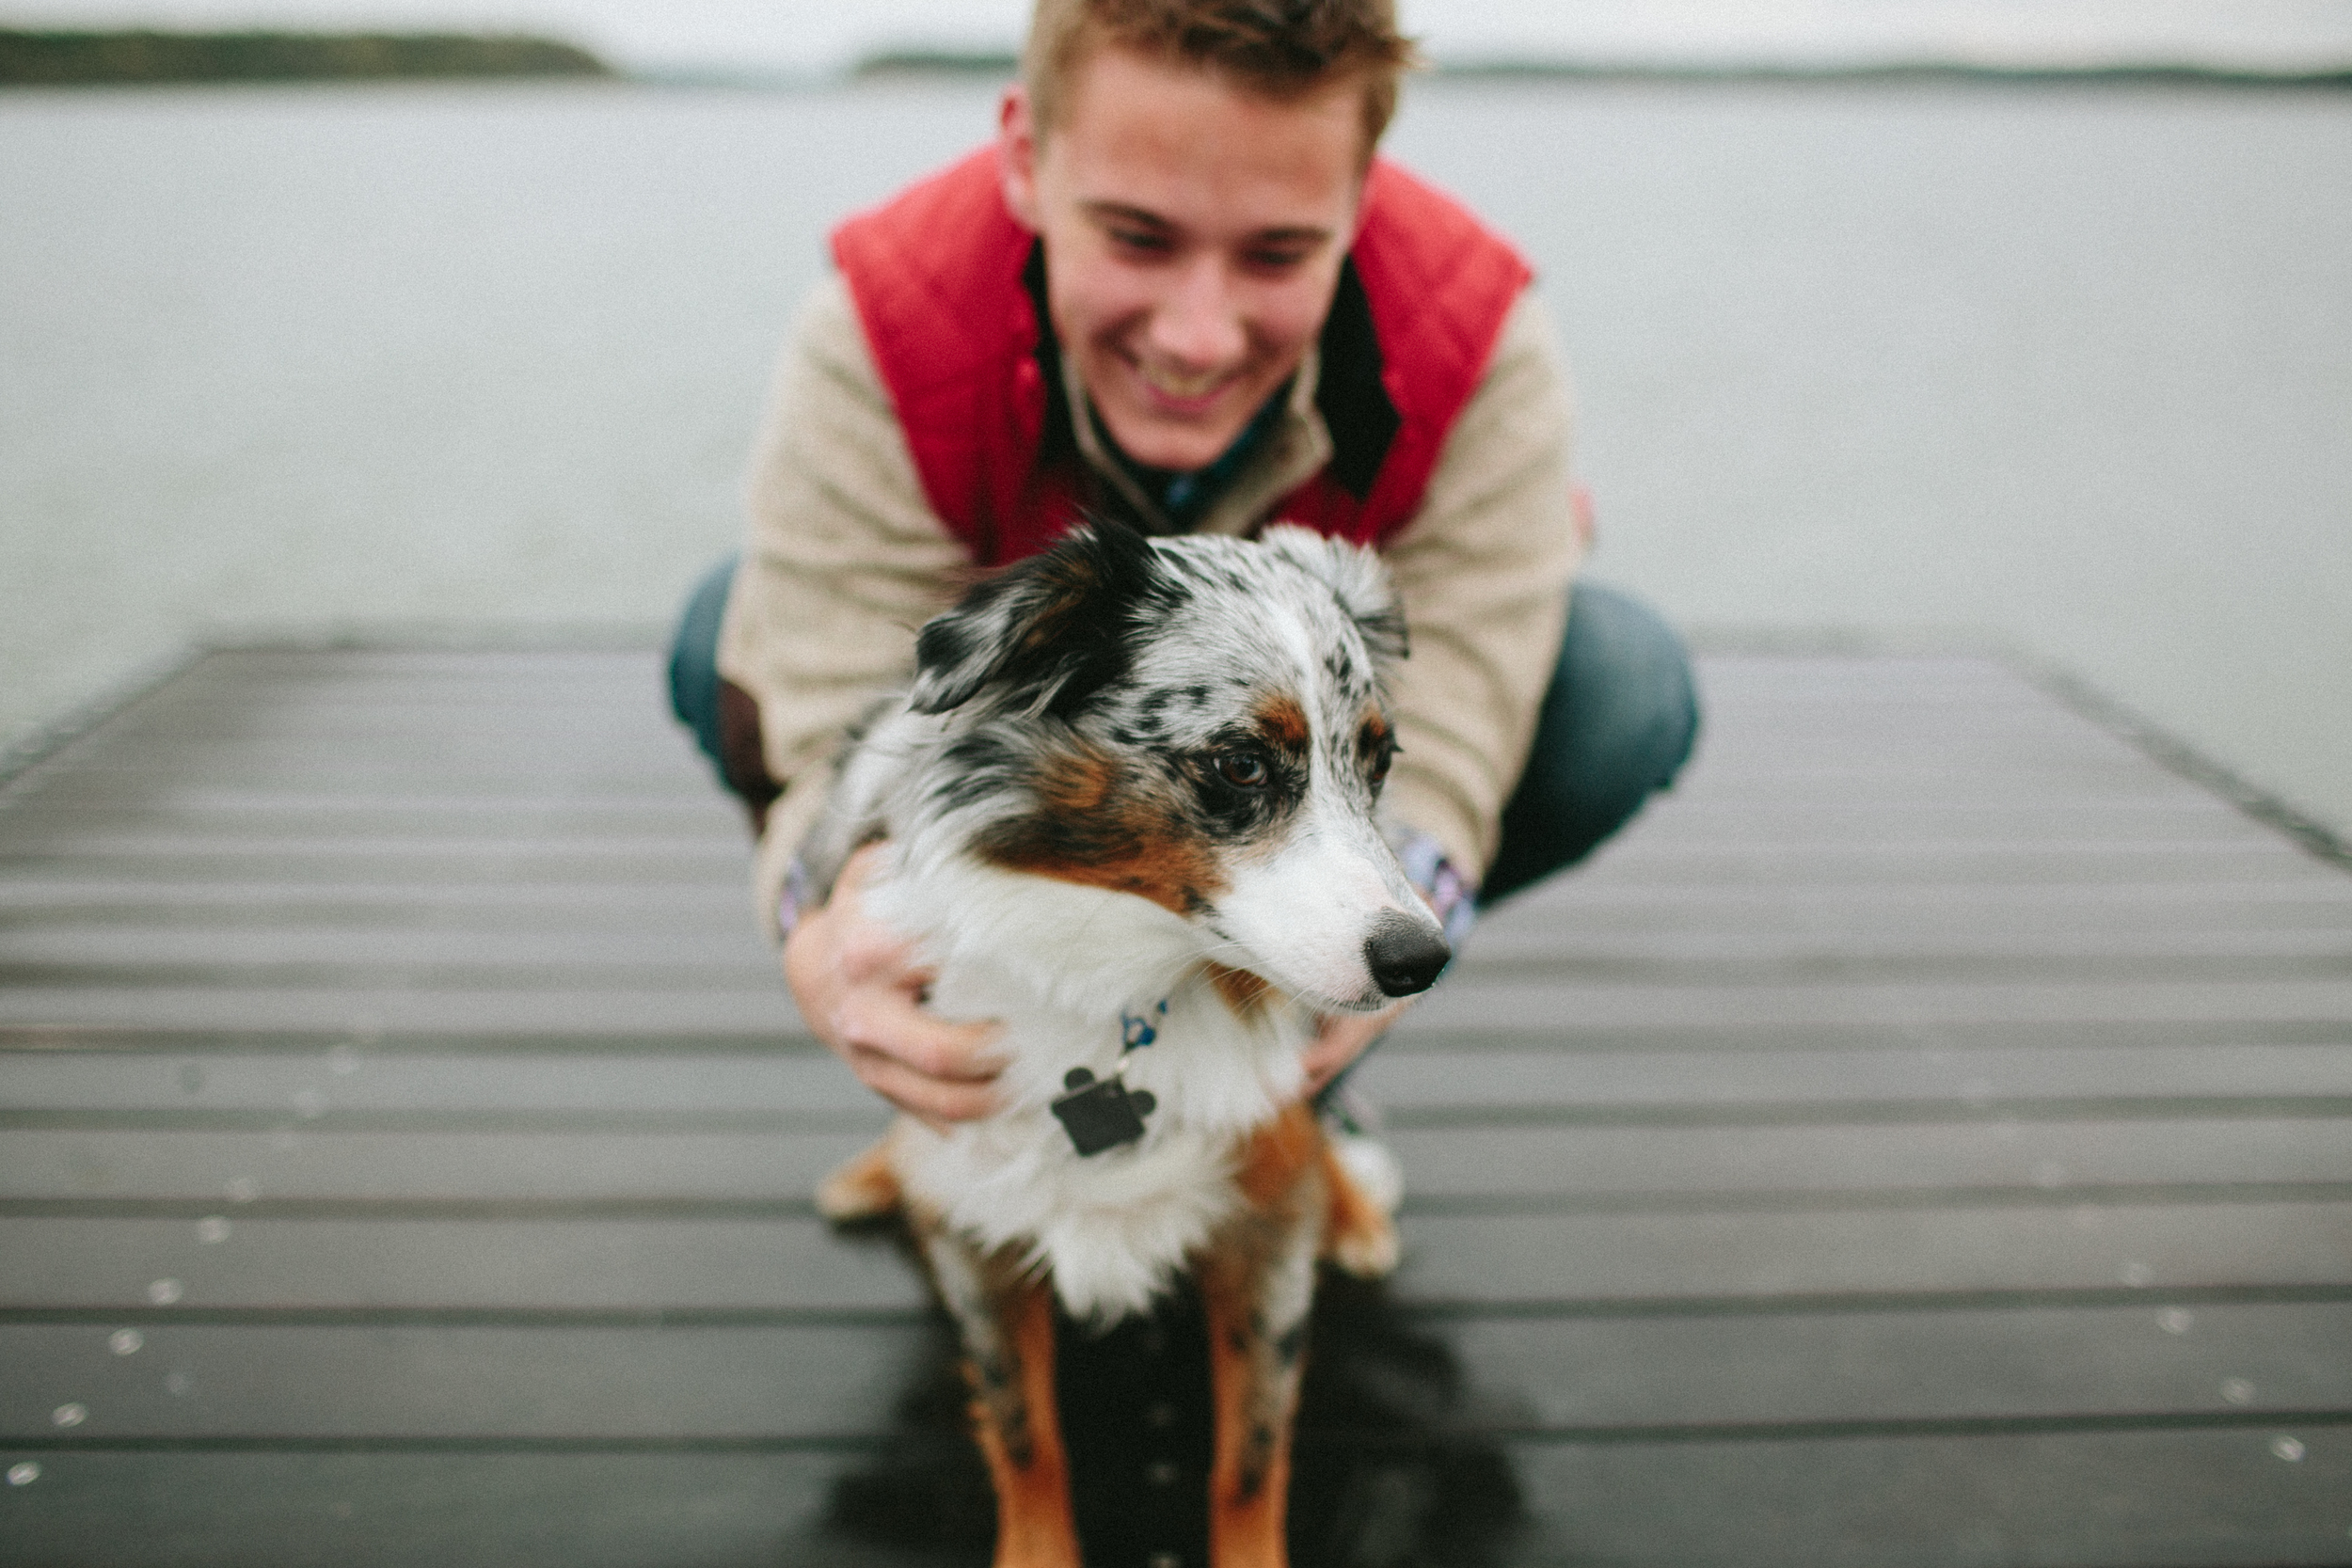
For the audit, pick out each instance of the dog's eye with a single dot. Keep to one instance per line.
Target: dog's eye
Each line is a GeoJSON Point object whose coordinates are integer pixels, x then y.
{"type": "Point", "coordinates": [1242, 769]}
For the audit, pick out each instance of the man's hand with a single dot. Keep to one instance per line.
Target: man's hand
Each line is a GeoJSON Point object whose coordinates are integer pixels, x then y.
{"type": "Point", "coordinates": [1339, 1039]}
{"type": "Point", "coordinates": [860, 990]}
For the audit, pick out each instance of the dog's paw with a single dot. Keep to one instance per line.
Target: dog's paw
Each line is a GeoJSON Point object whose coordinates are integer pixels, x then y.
{"type": "Point", "coordinates": [1367, 1249]}
{"type": "Point", "coordinates": [1365, 1186]}
{"type": "Point", "coordinates": [862, 1189]}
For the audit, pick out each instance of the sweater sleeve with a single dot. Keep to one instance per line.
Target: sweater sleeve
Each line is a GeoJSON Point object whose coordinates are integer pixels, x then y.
{"type": "Point", "coordinates": [844, 562]}
{"type": "Point", "coordinates": [1483, 574]}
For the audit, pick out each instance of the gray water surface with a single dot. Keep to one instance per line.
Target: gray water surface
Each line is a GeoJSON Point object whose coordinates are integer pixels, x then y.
{"type": "Point", "coordinates": [2066, 370]}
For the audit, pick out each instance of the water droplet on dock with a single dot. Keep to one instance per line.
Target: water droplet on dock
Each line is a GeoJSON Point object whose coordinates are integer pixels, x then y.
{"type": "Point", "coordinates": [2136, 1274]}
{"type": "Point", "coordinates": [70, 1415]}
{"type": "Point", "coordinates": [2288, 1448]}
{"type": "Point", "coordinates": [125, 1341]}
{"type": "Point", "coordinates": [2175, 1320]}
{"type": "Point", "coordinates": [176, 1384]}
{"type": "Point", "coordinates": [2237, 1390]}
{"type": "Point", "coordinates": [211, 1229]}
{"type": "Point", "coordinates": [25, 1474]}
{"type": "Point", "coordinates": [242, 1189]}
{"type": "Point", "coordinates": [166, 1292]}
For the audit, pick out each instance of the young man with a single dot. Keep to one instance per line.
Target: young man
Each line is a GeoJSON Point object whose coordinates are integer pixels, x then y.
{"type": "Point", "coordinates": [1179, 290]}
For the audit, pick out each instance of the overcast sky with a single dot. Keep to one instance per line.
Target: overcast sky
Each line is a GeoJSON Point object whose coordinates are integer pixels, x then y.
{"type": "Point", "coordinates": [821, 35]}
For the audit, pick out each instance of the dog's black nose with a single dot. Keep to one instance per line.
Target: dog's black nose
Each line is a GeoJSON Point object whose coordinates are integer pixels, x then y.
{"type": "Point", "coordinates": [1404, 954]}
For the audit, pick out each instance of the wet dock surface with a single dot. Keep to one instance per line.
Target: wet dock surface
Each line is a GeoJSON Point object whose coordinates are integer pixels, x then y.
{"type": "Point", "coordinates": [1926, 1138]}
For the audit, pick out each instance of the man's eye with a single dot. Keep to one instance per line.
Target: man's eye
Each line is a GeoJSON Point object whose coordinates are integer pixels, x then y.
{"type": "Point", "coordinates": [1242, 769]}
{"type": "Point", "coordinates": [1276, 260]}
{"type": "Point", "coordinates": [1138, 239]}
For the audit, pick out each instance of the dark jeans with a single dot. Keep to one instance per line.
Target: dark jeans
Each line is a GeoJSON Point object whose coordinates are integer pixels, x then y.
{"type": "Point", "coordinates": [1617, 723]}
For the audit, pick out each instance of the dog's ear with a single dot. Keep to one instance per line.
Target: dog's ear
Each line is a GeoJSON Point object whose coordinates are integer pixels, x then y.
{"type": "Point", "coordinates": [1047, 633]}
{"type": "Point", "coordinates": [1356, 577]}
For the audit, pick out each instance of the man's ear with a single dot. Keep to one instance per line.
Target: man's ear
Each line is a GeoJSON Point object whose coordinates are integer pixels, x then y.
{"type": "Point", "coordinates": [1016, 157]}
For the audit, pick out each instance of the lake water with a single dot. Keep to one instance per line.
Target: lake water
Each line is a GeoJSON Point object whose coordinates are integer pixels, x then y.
{"type": "Point", "coordinates": [2065, 370]}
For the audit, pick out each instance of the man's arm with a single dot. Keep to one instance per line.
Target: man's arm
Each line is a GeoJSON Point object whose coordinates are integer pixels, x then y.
{"type": "Point", "coordinates": [844, 564]}
{"type": "Point", "coordinates": [1482, 573]}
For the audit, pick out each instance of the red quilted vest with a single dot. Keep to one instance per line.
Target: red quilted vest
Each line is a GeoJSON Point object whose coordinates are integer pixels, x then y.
{"type": "Point", "coordinates": [936, 272]}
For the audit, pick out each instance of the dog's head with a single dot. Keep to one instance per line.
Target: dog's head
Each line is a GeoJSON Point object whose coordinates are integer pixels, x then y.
{"type": "Point", "coordinates": [1198, 721]}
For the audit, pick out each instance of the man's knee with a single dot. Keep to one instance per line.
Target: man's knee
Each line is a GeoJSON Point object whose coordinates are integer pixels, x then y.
{"type": "Point", "coordinates": [1617, 726]}
{"type": "Point", "coordinates": [694, 658]}
{"type": "Point", "coordinates": [1630, 706]}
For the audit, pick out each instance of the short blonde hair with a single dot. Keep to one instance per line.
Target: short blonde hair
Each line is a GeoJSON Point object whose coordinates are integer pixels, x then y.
{"type": "Point", "coordinates": [1281, 49]}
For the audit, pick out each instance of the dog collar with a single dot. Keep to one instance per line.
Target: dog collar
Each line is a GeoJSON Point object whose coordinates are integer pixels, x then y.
{"type": "Point", "coordinates": [1100, 1114]}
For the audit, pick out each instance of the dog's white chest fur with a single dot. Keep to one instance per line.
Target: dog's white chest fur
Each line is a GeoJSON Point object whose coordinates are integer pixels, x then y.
{"type": "Point", "coordinates": [1062, 965]}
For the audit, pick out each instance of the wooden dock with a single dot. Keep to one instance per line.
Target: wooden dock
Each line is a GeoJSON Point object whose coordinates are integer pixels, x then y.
{"type": "Point", "coordinates": [1926, 1138]}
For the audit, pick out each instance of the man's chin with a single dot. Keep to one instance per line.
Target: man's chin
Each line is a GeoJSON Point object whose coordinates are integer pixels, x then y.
{"type": "Point", "coordinates": [1161, 442]}
{"type": "Point", "coordinates": [1168, 433]}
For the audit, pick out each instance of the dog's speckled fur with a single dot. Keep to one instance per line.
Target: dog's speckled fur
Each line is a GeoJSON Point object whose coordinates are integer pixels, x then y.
{"type": "Point", "coordinates": [1131, 772]}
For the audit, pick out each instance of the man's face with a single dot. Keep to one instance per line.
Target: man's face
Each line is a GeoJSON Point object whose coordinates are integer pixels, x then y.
{"type": "Point", "coordinates": [1193, 237]}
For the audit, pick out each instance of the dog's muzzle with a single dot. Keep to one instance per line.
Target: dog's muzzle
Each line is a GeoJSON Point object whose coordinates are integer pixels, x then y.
{"type": "Point", "coordinates": [1404, 956]}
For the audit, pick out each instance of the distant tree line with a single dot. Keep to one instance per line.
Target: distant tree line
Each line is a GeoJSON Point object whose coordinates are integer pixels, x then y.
{"type": "Point", "coordinates": [29, 58]}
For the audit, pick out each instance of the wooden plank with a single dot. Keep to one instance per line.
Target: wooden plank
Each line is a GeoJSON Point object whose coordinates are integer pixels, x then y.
{"type": "Point", "coordinates": [1587, 1168]}
{"type": "Point", "coordinates": [1505, 1005]}
{"type": "Point", "coordinates": [1563, 1377]}
{"type": "Point", "coordinates": [1490, 1009]}
{"type": "Point", "coordinates": [331, 1076]}
{"type": "Point", "coordinates": [290, 814]}
{"type": "Point", "coordinates": [784, 1263]}
{"type": "Point", "coordinates": [352, 1078]}
{"type": "Point", "coordinates": [546, 906]}
{"type": "Point", "coordinates": [59, 947]}
{"type": "Point", "coordinates": [1490, 1259]}
{"type": "Point", "coordinates": [306, 1381]}
{"type": "Point", "coordinates": [66, 951]}
{"type": "Point", "coordinates": [463, 1509]}
{"type": "Point", "coordinates": [757, 1013]}
{"type": "Point", "coordinates": [2161, 1499]}
{"type": "Point", "coordinates": [379, 859]}
{"type": "Point", "coordinates": [1962, 865]}
{"type": "Point", "coordinates": [770, 1265]}
{"type": "Point", "coordinates": [1997, 1082]}
{"type": "Point", "coordinates": [471, 1171]}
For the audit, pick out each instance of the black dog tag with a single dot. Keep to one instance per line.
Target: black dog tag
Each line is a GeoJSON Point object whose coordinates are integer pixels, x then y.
{"type": "Point", "coordinates": [1100, 1115]}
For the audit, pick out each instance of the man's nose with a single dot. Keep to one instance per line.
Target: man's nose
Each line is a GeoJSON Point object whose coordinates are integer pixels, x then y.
{"type": "Point", "coordinates": [1199, 324]}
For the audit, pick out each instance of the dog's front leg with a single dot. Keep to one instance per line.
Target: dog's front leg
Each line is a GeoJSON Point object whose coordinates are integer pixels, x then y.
{"type": "Point", "coordinates": [1005, 1313]}
{"type": "Point", "coordinates": [1257, 1284]}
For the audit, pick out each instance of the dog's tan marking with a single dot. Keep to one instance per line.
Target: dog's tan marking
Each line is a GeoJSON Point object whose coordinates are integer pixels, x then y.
{"type": "Point", "coordinates": [1245, 994]}
{"type": "Point", "coordinates": [1276, 1153]}
{"type": "Point", "coordinates": [1281, 720]}
{"type": "Point", "coordinates": [1004, 1311]}
{"type": "Point", "coordinates": [1088, 829]}
{"type": "Point", "coordinates": [1034, 1527]}
{"type": "Point", "coordinates": [1255, 1276]}
{"type": "Point", "coordinates": [863, 1187]}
